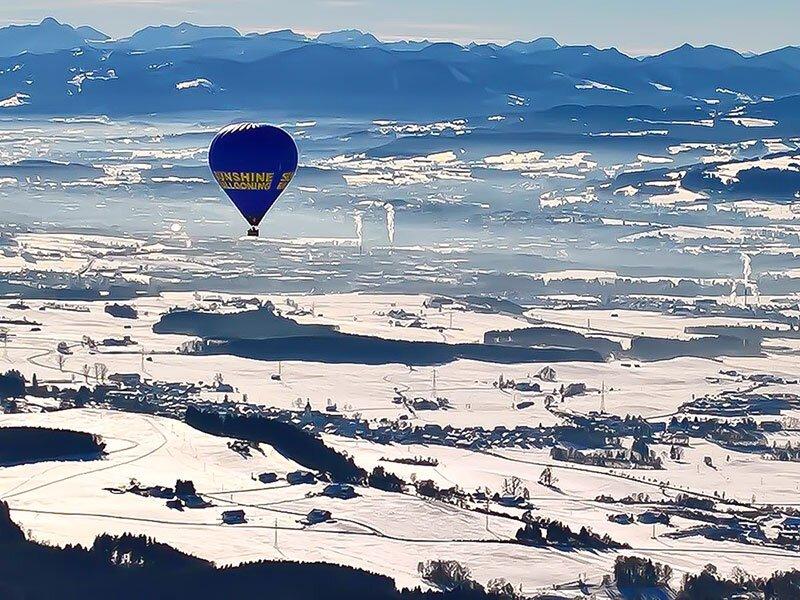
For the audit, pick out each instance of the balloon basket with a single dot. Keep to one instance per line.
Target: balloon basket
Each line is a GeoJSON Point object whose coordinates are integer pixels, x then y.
{"type": "Point", "coordinates": [252, 232]}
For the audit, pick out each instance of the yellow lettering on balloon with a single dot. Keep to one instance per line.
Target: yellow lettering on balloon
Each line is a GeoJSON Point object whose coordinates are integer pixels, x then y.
{"type": "Point", "coordinates": [247, 180]}
{"type": "Point", "coordinates": [285, 179]}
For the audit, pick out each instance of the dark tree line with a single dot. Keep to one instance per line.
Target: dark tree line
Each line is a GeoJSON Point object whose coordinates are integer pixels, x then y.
{"type": "Point", "coordinates": [635, 572]}
{"type": "Point", "coordinates": [35, 444]}
{"type": "Point", "coordinates": [608, 458]}
{"type": "Point", "coordinates": [14, 385]}
{"type": "Point", "coordinates": [388, 482]}
{"type": "Point", "coordinates": [640, 578]}
{"type": "Point", "coordinates": [546, 532]}
{"type": "Point", "coordinates": [133, 567]}
{"type": "Point", "coordinates": [289, 440]}
{"type": "Point", "coordinates": [295, 444]}
{"type": "Point", "coordinates": [452, 577]}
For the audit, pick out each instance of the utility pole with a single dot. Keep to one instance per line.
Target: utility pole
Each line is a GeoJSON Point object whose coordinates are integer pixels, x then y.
{"type": "Point", "coordinates": [603, 398]}
{"type": "Point", "coordinates": [276, 533]}
{"type": "Point", "coordinates": [434, 383]}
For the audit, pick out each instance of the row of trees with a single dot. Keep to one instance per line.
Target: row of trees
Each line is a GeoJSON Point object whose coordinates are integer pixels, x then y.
{"type": "Point", "coordinates": [455, 579]}
{"type": "Point", "coordinates": [295, 444]}
{"type": "Point", "coordinates": [608, 458]}
{"type": "Point", "coordinates": [636, 578]}
{"type": "Point", "coordinates": [546, 532]}
{"type": "Point", "coordinates": [639, 578]}
{"type": "Point", "coordinates": [289, 440]}
{"type": "Point", "coordinates": [35, 444]}
{"type": "Point", "coordinates": [14, 385]}
{"type": "Point", "coordinates": [13, 382]}
{"type": "Point", "coordinates": [683, 500]}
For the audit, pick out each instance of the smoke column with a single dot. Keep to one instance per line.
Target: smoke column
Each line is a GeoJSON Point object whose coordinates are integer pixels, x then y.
{"type": "Point", "coordinates": [747, 270]}
{"type": "Point", "coordinates": [390, 222]}
{"type": "Point", "coordinates": [359, 219]}
{"type": "Point", "coordinates": [748, 287]}
{"type": "Point", "coordinates": [747, 273]}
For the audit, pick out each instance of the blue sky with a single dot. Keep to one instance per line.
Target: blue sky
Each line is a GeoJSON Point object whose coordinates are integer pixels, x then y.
{"type": "Point", "coordinates": [635, 26]}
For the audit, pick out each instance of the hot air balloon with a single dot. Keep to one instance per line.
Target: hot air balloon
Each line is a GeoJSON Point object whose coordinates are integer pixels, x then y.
{"type": "Point", "coordinates": [253, 163]}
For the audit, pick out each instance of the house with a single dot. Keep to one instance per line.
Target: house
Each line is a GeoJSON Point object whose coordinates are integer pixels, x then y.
{"type": "Point", "coordinates": [547, 374]}
{"type": "Point", "coordinates": [574, 389]}
{"type": "Point", "coordinates": [126, 379]}
{"type": "Point", "coordinates": [527, 386]}
{"type": "Point", "coordinates": [125, 341]}
{"type": "Point", "coordinates": [267, 477]}
{"type": "Point", "coordinates": [176, 504]}
{"type": "Point", "coordinates": [651, 517]}
{"type": "Point", "coordinates": [790, 527]}
{"type": "Point", "coordinates": [317, 515]}
{"type": "Point", "coordinates": [621, 518]}
{"type": "Point", "coordinates": [159, 491]}
{"type": "Point", "coordinates": [437, 302]}
{"type": "Point", "coordinates": [339, 490]}
{"type": "Point", "coordinates": [512, 501]}
{"type": "Point", "coordinates": [299, 477]}
{"type": "Point", "coordinates": [425, 404]}
{"type": "Point", "coordinates": [194, 501]}
{"type": "Point", "coordinates": [232, 517]}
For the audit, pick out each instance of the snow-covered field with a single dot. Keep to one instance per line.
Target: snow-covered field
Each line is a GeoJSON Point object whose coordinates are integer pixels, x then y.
{"type": "Point", "coordinates": [383, 532]}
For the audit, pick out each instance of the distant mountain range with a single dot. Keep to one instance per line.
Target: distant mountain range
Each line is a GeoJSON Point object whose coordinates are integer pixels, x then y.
{"type": "Point", "coordinates": [47, 36]}
{"type": "Point", "coordinates": [54, 68]}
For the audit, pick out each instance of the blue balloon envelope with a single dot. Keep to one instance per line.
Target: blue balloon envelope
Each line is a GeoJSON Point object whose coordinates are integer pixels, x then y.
{"type": "Point", "coordinates": [253, 163]}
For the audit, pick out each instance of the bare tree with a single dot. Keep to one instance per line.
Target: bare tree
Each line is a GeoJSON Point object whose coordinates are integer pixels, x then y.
{"type": "Point", "coordinates": [100, 372]}
{"type": "Point", "coordinates": [513, 486]}
{"type": "Point", "coordinates": [547, 478]}
{"type": "Point", "coordinates": [60, 360]}
{"type": "Point", "coordinates": [86, 369]}
{"type": "Point", "coordinates": [676, 453]}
